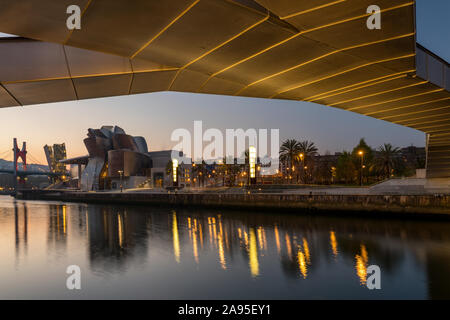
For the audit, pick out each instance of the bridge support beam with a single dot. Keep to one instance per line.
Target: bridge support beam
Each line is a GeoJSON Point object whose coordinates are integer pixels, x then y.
{"type": "Point", "coordinates": [438, 156]}
{"type": "Point", "coordinates": [438, 164]}
{"type": "Point", "coordinates": [22, 154]}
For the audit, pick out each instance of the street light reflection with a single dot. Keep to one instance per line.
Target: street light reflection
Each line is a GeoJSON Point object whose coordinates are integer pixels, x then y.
{"type": "Point", "coordinates": [361, 265]}
{"type": "Point", "coordinates": [333, 243]}
{"type": "Point", "coordinates": [253, 254]}
{"type": "Point", "coordinates": [176, 239]}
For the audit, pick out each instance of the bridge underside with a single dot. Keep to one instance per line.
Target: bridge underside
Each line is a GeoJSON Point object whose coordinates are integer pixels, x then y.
{"type": "Point", "coordinates": [319, 51]}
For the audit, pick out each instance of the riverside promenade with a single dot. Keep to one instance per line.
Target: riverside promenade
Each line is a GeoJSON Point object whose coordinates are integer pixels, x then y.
{"type": "Point", "coordinates": [358, 204]}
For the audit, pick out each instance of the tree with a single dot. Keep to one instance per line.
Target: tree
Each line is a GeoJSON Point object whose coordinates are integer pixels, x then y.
{"type": "Point", "coordinates": [363, 162]}
{"type": "Point", "coordinates": [387, 160]}
{"type": "Point", "coordinates": [229, 171]}
{"type": "Point", "coordinates": [308, 150]}
{"type": "Point", "coordinates": [345, 168]}
{"type": "Point", "coordinates": [289, 152]}
{"type": "Point", "coordinates": [199, 173]}
{"type": "Point", "coordinates": [323, 170]}
{"type": "Point", "coordinates": [365, 148]}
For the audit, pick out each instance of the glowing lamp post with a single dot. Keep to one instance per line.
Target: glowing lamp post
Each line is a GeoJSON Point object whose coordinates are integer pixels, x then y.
{"type": "Point", "coordinates": [120, 172]}
{"type": "Point", "coordinates": [174, 171]}
{"type": "Point", "coordinates": [361, 154]}
{"type": "Point", "coordinates": [252, 164]}
{"type": "Point", "coordinates": [302, 160]}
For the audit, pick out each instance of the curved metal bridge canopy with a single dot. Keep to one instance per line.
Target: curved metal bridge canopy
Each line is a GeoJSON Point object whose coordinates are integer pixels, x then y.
{"type": "Point", "coordinates": [319, 51]}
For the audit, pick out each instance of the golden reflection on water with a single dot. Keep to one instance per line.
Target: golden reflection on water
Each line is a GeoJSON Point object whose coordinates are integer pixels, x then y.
{"type": "Point", "coordinates": [253, 239]}
{"type": "Point", "coordinates": [302, 263]}
{"type": "Point", "coordinates": [255, 243]}
{"type": "Point", "coordinates": [253, 254]}
{"type": "Point", "coordinates": [214, 231]}
{"type": "Point", "coordinates": [200, 233]}
{"type": "Point", "coordinates": [361, 265]}
{"type": "Point", "coordinates": [120, 227]}
{"type": "Point", "coordinates": [222, 260]}
{"type": "Point", "coordinates": [306, 249]}
{"type": "Point", "coordinates": [189, 227]}
{"type": "Point", "coordinates": [226, 240]}
{"type": "Point", "coordinates": [176, 239]}
{"type": "Point", "coordinates": [260, 239]}
{"type": "Point", "coordinates": [288, 246]}
{"type": "Point", "coordinates": [334, 244]}
{"type": "Point", "coordinates": [277, 239]}
{"type": "Point", "coordinates": [222, 253]}
{"type": "Point", "coordinates": [210, 232]}
{"type": "Point", "coordinates": [220, 227]}
{"type": "Point", "coordinates": [64, 219]}
{"type": "Point", "coordinates": [194, 241]}
{"type": "Point", "coordinates": [57, 225]}
{"type": "Point", "coordinates": [113, 241]}
{"type": "Point", "coordinates": [245, 245]}
{"type": "Point", "coordinates": [264, 238]}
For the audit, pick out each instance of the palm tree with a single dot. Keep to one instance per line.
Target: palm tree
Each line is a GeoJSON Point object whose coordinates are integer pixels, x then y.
{"type": "Point", "coordinates": [364, 160]}
{"type": "Point", "coordinates": [199, 173]}
{"type": "Point", "coordinates": [387, 160]}
{"type": "Point", "coordinates": [307, 151]}
{"type": "Point", "coordinates": [307, 148]}
{"type": "Point", "coordinates": [289, 152]}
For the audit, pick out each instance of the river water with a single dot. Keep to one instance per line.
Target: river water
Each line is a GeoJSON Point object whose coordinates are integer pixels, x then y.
{"type": "Point", "coordinates": [160, 253]}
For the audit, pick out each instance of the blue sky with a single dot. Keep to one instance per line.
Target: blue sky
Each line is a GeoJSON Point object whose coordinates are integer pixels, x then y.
{"type": "Point", "coordinates": [156, 115]}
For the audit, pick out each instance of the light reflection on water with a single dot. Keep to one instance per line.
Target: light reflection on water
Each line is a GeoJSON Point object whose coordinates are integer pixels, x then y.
{"type": "Point", "coordinates": [159, 253]}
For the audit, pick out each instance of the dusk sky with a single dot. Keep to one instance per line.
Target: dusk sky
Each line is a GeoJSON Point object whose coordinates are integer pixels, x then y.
{"type": "Point", "coordinates": [156, 115]}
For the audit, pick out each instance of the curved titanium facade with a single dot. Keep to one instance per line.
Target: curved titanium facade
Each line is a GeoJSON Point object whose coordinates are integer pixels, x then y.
{"type": "Point", "coordinates": [132, 163]}
{"type": "Point", "coordinates": [112, 154]}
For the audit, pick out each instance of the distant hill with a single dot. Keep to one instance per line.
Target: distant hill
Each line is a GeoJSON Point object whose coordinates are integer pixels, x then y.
{"type": "Point", "coordinates": [9, 165]}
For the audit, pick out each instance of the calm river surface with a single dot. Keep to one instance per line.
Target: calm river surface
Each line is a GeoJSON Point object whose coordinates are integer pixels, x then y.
{"type": "Point", "coordinates": [156, 253]}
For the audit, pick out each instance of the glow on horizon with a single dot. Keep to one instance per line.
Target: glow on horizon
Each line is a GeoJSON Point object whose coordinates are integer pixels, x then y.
{"type": "Point", "coordinates": [156, 115]}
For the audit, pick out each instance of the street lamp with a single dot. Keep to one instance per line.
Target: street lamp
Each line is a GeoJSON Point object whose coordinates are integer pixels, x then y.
{"type": "Point", "coordinates": [333, 174]}
{"type": "Point", "coordinates": [120, 172]}
{"type": "Point", "coordinates": [252, 164]}
{"type": "Point", "coordinates": [174, 172]}
{"type": "Point", "coordinates": [361, 154]}
{"type": "Point", "coordinates": [302, 159]}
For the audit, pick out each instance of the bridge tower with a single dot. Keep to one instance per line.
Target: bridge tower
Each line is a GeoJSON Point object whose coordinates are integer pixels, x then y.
{"type": "Point", "coordinates": [22, 154]}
